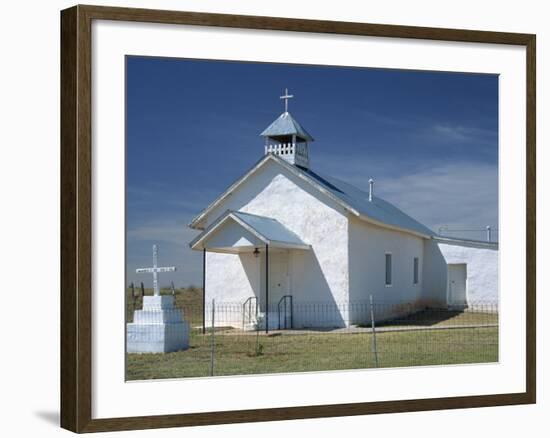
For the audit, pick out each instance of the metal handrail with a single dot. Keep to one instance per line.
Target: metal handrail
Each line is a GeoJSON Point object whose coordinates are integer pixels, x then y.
{"type": "Point", "coordinates": [284, 299]}
{"type": "Point", "coordinates": [248, 302]}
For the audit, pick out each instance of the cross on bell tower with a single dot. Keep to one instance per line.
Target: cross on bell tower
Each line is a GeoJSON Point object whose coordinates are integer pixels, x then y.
{"type": "Point", "coordinates": [286, 138]}
{"type": "Point", "coordinates": [286, 97]}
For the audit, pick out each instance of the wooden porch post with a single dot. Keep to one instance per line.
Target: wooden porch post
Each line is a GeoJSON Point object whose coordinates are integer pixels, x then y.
{"type": "Point", "coordinates": [266, 288]}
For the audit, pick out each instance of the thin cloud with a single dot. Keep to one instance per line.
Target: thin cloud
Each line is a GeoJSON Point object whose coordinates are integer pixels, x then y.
{"type": "Point", "coordinates": [460, 196]}
{"type": "Point", "coordinates": [462, 134]}
{"type": "Point", "coordinates": [190, 201]}
{"type": "Point", "coordinates": [161, 231]}
{"type": "Point", "coordinates": [173, 238]}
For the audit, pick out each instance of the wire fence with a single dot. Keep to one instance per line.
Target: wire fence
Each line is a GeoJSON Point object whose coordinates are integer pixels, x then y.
{"type": "Point", "coordinates": [247, 338]}
{"type": "Point", "coordinates": [488, 233]}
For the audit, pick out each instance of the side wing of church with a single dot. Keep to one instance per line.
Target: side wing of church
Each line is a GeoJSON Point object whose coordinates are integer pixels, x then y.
{"type": "Point", "coordinates": [284, 236]}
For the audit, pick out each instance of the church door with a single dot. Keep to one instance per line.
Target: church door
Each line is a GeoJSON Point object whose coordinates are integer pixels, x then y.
{"type": "Point", "coordinates": [278, 277]}
{"type": "Point", "coordinates": [456, 287]}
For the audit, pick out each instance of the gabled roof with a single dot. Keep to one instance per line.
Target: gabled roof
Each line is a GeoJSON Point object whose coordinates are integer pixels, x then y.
{"type": "Point", "coordinates": [378, 209]}
{"type": "Point", "coordinates": [351, 198]}
{"type": "Point", "coordinates": [285, 124]}
{"type": "Point", "coordinates": [270, 231]}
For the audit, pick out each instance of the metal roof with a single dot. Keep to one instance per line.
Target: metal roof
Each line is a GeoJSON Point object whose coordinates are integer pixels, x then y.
{"type": "Point", "coordinates": [378, 209]}
{"type": "Point", "coordinates": [285, 124]}
{"type": "Point", "coordinates": [267, 229]}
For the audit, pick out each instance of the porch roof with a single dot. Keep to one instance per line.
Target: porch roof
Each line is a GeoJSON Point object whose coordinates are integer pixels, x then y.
{"type": "Point", "coordinates": [237, 231]}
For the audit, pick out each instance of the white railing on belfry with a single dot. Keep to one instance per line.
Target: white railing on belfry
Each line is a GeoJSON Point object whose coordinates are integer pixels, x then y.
{"type": "Point", "coordinates": [287, 149]}
{"type": "Point", "coordinates": [281, 148]}
{"type": "Point", "coordinates": [295, 153]}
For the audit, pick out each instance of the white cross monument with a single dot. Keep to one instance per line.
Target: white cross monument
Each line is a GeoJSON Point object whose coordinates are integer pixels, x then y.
{"type": "Point", "coordinates": [155, 270]}
{"type": "Point", "coordinates": [159, 326]}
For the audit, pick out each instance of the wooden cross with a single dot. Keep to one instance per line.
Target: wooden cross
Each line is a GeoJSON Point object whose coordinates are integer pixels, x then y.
{"type": "Point", "coordinates": [155, 271]}
{"type": "Point", "coordinates": [286, 96]}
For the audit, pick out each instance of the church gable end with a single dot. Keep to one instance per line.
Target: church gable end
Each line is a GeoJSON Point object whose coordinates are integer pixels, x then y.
{"type": "Point", "coordinates": [274, 191]}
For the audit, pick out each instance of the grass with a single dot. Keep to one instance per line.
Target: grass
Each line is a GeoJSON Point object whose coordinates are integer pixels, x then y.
{"type": "Point", "coordinates": [442, 318]}
{"type": "Point", "coordinates": [237, 354]}
{"type": "Point", "coordinates": [189, 299]}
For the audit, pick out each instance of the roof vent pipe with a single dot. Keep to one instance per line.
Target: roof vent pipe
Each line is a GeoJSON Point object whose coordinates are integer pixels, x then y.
{"type": "Point", "coordinates": [371, 189]}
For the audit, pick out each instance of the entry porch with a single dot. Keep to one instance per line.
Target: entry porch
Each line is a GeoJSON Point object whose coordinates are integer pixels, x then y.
{"type": "Point", "coordinates": [265, 251]}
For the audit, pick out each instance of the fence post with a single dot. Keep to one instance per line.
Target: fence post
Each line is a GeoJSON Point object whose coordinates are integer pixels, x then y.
{"type": "Point", "coordinates": [212, 338]}
{"type": "Point", "coordinates": [133, 295]}
{"type": "Point", "coordinates": [373, 325]}
{"type": "Point", "coordinates": [291, 313]}
{"type": "Point", "coordinates": [257, 346]}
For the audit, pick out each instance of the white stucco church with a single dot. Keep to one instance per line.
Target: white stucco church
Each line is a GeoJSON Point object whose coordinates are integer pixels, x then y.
{"type": "Point", "coordinates": [283, 232]}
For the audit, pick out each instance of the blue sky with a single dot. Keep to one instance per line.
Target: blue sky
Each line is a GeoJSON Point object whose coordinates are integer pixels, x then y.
{"type": "Point", "coordinates": [429, 139]}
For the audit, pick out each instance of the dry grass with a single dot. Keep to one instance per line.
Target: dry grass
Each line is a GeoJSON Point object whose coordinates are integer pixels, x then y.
{"type": "Point", "coordinates": [238, 353]}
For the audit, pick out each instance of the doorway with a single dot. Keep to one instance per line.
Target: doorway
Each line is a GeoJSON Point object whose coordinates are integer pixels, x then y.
{"type": "Point", "coordinates": [278, 276]}
{"type": "Point", "coordinates": [456, 284]}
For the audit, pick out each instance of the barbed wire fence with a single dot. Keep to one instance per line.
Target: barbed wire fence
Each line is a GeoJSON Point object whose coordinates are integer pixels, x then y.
{"type": "Point", "coordinates": [230, 338]}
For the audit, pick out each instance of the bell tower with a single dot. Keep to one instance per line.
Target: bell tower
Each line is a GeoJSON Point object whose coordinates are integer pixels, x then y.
{"type": "Point", "coordinates": [286, 138]}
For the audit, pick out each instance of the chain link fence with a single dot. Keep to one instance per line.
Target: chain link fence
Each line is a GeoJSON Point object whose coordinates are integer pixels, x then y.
{"type": "Point", "coordinates": [228, 338]}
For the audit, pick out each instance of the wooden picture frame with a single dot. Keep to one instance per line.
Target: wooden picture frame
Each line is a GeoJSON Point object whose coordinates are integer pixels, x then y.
{"type": "Point", "coordinates": [76, 218]}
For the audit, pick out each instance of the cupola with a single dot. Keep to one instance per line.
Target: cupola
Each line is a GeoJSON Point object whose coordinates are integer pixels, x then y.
{"type": "Point", "coordinates": [286, 138]}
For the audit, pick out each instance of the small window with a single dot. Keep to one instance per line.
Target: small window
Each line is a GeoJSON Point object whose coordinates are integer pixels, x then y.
{"type": "Point", "coordinates": [415, 270]}
{"type": "Point", "coordinates": [388, 269]}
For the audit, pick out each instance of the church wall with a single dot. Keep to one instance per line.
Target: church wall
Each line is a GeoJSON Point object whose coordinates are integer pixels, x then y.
{"type": "Point", "coordinates": [435, 274]}
{"type": "Point", "coordinates": [241, 278]}
{"type": "Point", "coordinates": [481, 271]}
{"type": "Point", "coordinates": [230, 280]}
{"type": "Point", "coordinates": [280, 195]}
{"type": "Point", "coordinates": [319, 275]}
{"type": "Point", "coordinates": [368, 245]}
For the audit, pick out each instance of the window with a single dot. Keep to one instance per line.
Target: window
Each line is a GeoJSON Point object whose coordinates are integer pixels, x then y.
{"type": "Point", "coordinates": [388, 269]}
{"type": "Point", "coordinates": [415, 270]}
